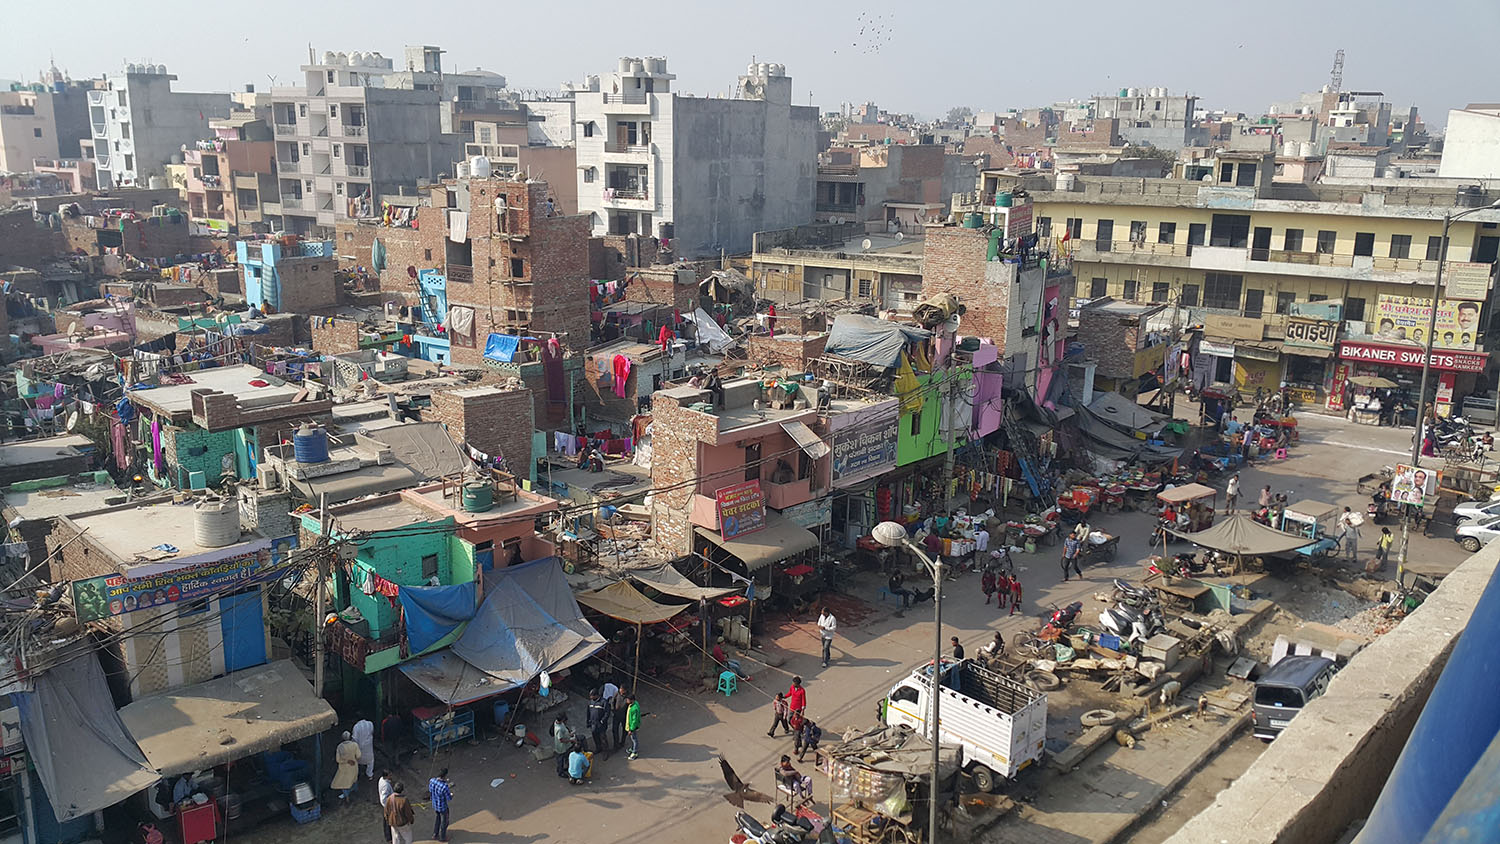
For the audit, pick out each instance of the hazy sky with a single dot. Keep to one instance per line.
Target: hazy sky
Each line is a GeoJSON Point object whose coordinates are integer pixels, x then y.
{"type": "Point", "coordinates": [918, 56]}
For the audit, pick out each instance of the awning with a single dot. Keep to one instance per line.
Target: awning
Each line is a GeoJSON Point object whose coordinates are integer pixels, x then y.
{"type": "Point", "coordinates": [238, 715]}
{"type": "Point", "coordinates": [778, 540]}
{"type": "Point", "coordinates": [1307, 352]}
{"type": "Point", "coordinates": [83, 756]}
{"type": "Point", "coordinates": [1243, 536]}
{"type": "Point", "coordinates": [670, 581]}
{"type": "Point", "coordinates": [1119, 410]}
{"type": "Point", "coordinates": [622, 601]}
{"type": "Point", "coordinates": [1266, 350]}
{"type": "Point", "coordinates": [1186, 492]}
{"type": "Point", "coordinates": [804, 437]}
{"type": "Point", "coordinates": [446, 677]}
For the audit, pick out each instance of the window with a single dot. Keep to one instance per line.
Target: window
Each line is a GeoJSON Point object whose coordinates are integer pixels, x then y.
{"type": "Point", "coordinates": [1434, 248]}
{"type": "Point", "coordinates": [1196, 234]}
{"type": "Point", "coordinates": [125, 130]}
{"type": "Point", "coordinates": [1364, 243]}
{"type": "Point", "coordinates": [1354, 308]}
{"type": "Point", "coordinates": [1131, 286]}
{"type": "Point", "coordinates": [1255, 300]}
{"type": "Point", "coordinates": [1226, 173]}
{"type": "Point", "coordinates": [517, 268]}
{"type": "Point", "coordinates": [1293, 242]}
{"type": "Point", "coordinates": [129, 162]}
{"type": "Point", "coordinates": [338, 150]}
{"type": "Point", "coordinates": [1232, 230]}
{"type": "Point", "coordinates": [427, 254]}
{"type": "Point", "coordinates": [307, 149]}
{"type": "Point", "coordinates": [1486, 250]}
{"type": "Point", "coordinates": [120, 97]}
{"type": "Point", "coordinates": [1104, 234]}
{"type": "Point", "coordinates": [1316, 297]}
{"type": "Point", "coordinates": [1075, 228]}
{"type": "Point", "coordinates": [588, 129]}
{"type": "Point", "coordinates": [1326, 240]}
{"type": "Point", "coordinates": [916, 424]}
{"type": "Point", "coordinates": [905, 694]}
{"type": "Point", "coordinates": [429, 566]}
{"type": "Point", "coordinates": [1190, 295]}
{"type": "Point", "coordinates": [1098, 288]}
{"type": "Point", "coordinates": [865, 288]}
{"type": "Point", "coordinates": [302, 109]}
{"type": "Point", "coordinates": [1284, 300]}
{"type": "Point", "coordinates": [1161, 291]}
{"type": "Point", "coordinates": [588, 174]}
{"type": "Point", "coordinates": [1043, 227]}
{"type": "Point", "coordinates": [330, 77]}
{"type": "Point", "coordinates": [1166, 233]}
{"type": "Point", "coordinates": [338, 188]}
{"type": "Point", "coordinates": [1400, 246]}
{"type": "Point", "coordinates": [1222, 290]}
{"type": "Point", "coordinates": [1246, 177]}
{"type": "Point", "coordinates": [1137, 231]}
{"type": "Point", "coordinates": [36, 133]}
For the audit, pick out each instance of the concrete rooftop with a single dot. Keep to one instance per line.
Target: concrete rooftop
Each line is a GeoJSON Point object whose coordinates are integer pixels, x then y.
{"type": "Point", "coordinates": [131, 531]}
{"type": "Point", "coordinates": [234, 380]}
{"type": "Point", "coordinates": [41, 451]}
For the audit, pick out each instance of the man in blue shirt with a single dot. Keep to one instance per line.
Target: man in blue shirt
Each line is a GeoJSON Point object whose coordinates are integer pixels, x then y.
{"type": "Point", "coordinates": [578, 765]}
{"type": "Point", "coordinates": [441, 791]}
{"type": "Point", "coordinates": [1070, 557]}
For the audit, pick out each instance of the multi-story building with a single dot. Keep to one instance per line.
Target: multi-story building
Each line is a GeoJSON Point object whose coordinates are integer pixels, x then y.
{"type": "Point", "coordinates": [704, 174]}
{"type": "Point", "coordinates": [838, 261]}
{"type": "Point", "coordinates": [1471, 143]}
{"type": "Point", "coordinates": [27, 129]}
{"type": "Point", "coordinates": [229, 175]}
{"type": "Point", "coordinates": [1227, 241]}
{"type": "Point", "coordinates": [1152, 116]}
{"type": "Point", "coordinates": [511, 150]}
{"type": "Point", "coordinates": [892, 187]}
{"type": "Point", "coordinates": [345, 138]}
{"type": "Point", "coordinates": [139, 123]}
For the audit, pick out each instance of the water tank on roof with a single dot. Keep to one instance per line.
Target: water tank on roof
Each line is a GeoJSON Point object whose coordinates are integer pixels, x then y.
{"type": "Point", "coordinates": [159, 69]}
{"type": "Point", "coordinates": [132, 68]}
{"type": "Point", "coordinates": [341, 58]}
{"type": "Point", "coordinates": [216, 523]}
{"type": "Point", "coordinates": [1124, 92]}
{"type": "Point", "coordinates": [156, 183]}
{"type": "Point", "coordinates": [778, 70]}
{"type": "Point", "coordinates": [461, 170]}
{"type": "Point", "coordinates": [479, 167]}
{"type": "Point", "coordinates": [1065, 181]}
{"type": "Point", "coordinates": [1134, 92]}
{"type": "Point", "coordinates": [310, 444]}
{"type": "Point", "coordinates": [637, 66]}
{"type": "Point", "coordinates": [625, 64]}
{"type": "Point", "coordinates": [478, 497]}
{"type": "Point", "coordinates": [329, 56]}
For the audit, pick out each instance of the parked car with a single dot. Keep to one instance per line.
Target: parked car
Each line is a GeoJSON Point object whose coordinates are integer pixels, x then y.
{"type": "Point", "coordinates": [1473, 511]}
{"type": "Point", "coordinates": [1473, 535]}
{"type": "Point", "coordinates": [1285, 688]}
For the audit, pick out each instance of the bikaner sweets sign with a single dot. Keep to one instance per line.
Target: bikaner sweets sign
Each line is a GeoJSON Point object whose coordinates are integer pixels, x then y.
{"type": "Point", "coordinates": [1412, 356]}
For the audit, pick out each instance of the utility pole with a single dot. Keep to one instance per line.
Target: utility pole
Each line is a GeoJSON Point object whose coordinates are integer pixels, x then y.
{"type": "Point", "coordinates": [320, 600]}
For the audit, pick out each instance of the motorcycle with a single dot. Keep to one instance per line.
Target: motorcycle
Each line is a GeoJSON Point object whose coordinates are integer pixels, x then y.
{"type": "Point", "coordinates": [1185, 564]}
{"type": "Point", "coordinates": [1131, 624]}
{"type": "Point", "coordinates": [1131, 595]}
{"type": "Point", "coordinates": [1060, 620]}
{"type": "Point", "coordinates": [785, 828]}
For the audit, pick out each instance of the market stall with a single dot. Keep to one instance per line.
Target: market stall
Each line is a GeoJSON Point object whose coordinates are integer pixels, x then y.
{"type": "Point", "coordinates": [662, 631]}
{"type": "Point", "coordinates": [1243, 539]}
{"type": "Point", "coordinates": [781, 559]}
{"type": "Point", "coordinates": [879, 784]}
{"type": "Point", "coordinates": [1197, 501]}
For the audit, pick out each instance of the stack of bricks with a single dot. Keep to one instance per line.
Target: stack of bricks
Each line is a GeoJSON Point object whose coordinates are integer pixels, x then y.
{"type": "Point", "coordinates": [954, 261]}
{"type": "Point", "coordinates": [676, 432]}
{"type": "Point", "coordinates": [495, 421]}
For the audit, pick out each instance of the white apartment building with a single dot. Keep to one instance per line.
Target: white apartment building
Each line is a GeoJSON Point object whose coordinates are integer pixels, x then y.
{"type": "Point", "coordinates": [703, 173]}
{"type": "Point", "coordinates": [139, 124]}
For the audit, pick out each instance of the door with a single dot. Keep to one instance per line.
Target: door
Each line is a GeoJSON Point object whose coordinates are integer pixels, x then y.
{"type": "Point", "coordinates": [1260, 245]}
{"type": "Point", "coordinates": [752, 462]}
{"type": "Point", "coordinates": [243, 625]}
{"type": "Point", "coordinates": [1196, 234]}
{"type": "Point", "coordinates": [1487, 250]}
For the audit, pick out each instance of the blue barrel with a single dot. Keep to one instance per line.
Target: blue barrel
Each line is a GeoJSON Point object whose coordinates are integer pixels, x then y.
{"type": "Point", "coordinates": [310, 444]}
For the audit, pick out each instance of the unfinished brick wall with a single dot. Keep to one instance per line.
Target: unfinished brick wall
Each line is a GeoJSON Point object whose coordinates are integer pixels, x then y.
{"type": "Point", "coordinates": [790, 351]}
{"type": "Point", "coordinates": [612, 256]}
{"type": "Point", "coordinates": [663, 286]}
{"type": "Point", "coordinates": [337, 336]}
{"type": "Point", "coordinates": [954, 262]}
{"type": "Point", "coordinates": [494, 420]}
{"type": "Point", "coordinates": [1111, 340]}
{"type": "Point", "coordinates": [307, 284]}
{"type": "Point", "coordinates": [676, 432]}
{"type": "Point", "coordinates": [991, 146]}
{"type": "Point", "coordinates": [24, 242]}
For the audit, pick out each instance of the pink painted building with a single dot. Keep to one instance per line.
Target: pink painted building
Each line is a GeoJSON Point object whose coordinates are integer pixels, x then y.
{"type": "Point", "coordinates": [230, 176]}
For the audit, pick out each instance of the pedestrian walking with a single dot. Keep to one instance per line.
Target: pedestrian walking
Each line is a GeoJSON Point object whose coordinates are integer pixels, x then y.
{"type": "Point", "coordinates": [440, 791]}
{"type": "Point", "coordinates": [399, 816]}
{"type": "Point", "coordinates": [827, 624]}
{"type": "Point", "coordinates": [987, 584]}
{"type": "Point", "coordinates": [384, 788]}
{"type": "Point", "coordinates": [363, 733]}
{"type": "Point", "coordinates": [958, 648]}
{"type": "Point", "coordinates": [796, 701]}
{"type": "Point", "coordinates": [597, 720]}
{"type": "Point", "coordinates": [781, 713]}
{"type": "Point", "coordinates": [807, 739]}
{"type": "Point", "coordinates": [1002, 590]}
{"type": "Point", "coordinates": [981, 543]}
{"type": "Point", "coordinates": [562, 742]}
{"type": "Point", "coordinates": [633, 725]}
{"type": "Point", "coordinates": [1015, 593]}
{"type": "Point", "coordinates": [1071, 546]}
{"type": "Point", "coordinates": [619, 704]}
{"type": "Point", "coordinates": [1350, 522]}
{"type": "Point", "coordinates": [1265, 497]}
{"type": "Point", "coordinates": [1232, 493]}
{"type": "Point", "coordinates": [346, 778]}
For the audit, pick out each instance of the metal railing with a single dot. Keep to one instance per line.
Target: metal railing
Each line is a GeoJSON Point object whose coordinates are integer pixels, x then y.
{"type": "Point", "coordinates": [1313, 259]}
{"type": "Point", "coordinates": [286, 129]}
{"type": "Point", "coordinates": [614, 147]}
{"type": "Point", "coordinates": [1132, 247]}
{"type": "Point", "coordinates": [625, 193]}
{"type": "Point", "coordinates": [628, 98]}
{"type": "Point", "coordinates": [352, 131]}
{"type": "Point", "coordinates": [291, 202]}
{"type": "Point", "coordinates": [357, 170]}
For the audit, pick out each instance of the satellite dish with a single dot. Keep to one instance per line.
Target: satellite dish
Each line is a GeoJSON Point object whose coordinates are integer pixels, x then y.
{"type": "Point", "coordinates": [72, 420]}
{"type": "Point", "coordinates": [864, 244]}
{"type": "Point", "coordinates": [411, 270]}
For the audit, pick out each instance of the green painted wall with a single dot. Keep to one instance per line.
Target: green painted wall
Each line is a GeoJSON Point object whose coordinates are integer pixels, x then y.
{"type": "Point", "coordinates": [928, 439]}
{"type": "Point", "coordinates": [201, 451]}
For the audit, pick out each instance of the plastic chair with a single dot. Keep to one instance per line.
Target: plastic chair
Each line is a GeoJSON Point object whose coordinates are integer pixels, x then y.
{"type": "Point", "coordinates": [885, 592]}
{"type": "Point", "coordinates": [728, 683]}
{"type": "Point", "coordinates": [1280, 454]}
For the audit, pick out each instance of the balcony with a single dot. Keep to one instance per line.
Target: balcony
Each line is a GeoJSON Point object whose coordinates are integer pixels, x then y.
{"type": "Point", "coordinates": [627, 98]}
{"type": "Point", "coordinates": [352, 131]}
{"type": "Point", "coordinates": [786, 495]}
{"type": "Point", "coordinates": [286, 130]}
{"type": "Point", "coordinates": [358, 171]}
{"type": "Point", "coordinates": [291, 203]}
{"type": "Point", "coordinates": [1132, 252]}
{"type": "Point", "coordinates": [460, 272]}
{"type": "Point", "coordinates": [628, 194]}
{"type": "Point", "coordinates": [627, 149]}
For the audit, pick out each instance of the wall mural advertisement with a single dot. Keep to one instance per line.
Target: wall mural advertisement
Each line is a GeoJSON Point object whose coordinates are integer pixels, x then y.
{"type": "Point", "coordinates": [742, 509]}
{"type": "Point", "coordinates": [101, 597]}
{"type": "Point", "coordinates": [1407, 318]}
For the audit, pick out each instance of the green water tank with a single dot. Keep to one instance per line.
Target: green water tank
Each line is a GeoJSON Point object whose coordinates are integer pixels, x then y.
{"type": "Point", "coordinates": [478, 497]}
{"type": "Point", "coordinates": [973, 220]}
{"type": "Point", "coordinates": [1003, 199]}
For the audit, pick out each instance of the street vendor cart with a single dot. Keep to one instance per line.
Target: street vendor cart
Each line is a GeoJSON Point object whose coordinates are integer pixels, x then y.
{"type": "Point", "coordinates": [1099, 547]}
{"type": "Point", "coordinates": [1199, 501]}
{"type": "Point", "coordinates": [1314, 521]}
{"type": "Point", "coordinates": [1179, 594]}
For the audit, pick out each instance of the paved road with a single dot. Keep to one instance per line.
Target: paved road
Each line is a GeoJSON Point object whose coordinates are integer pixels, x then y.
{"type": "Point", "coordinates": [671, 794]}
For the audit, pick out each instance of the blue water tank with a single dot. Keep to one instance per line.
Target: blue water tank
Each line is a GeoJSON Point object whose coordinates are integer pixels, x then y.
{"type": "Point", "coordinates": [310, 444]}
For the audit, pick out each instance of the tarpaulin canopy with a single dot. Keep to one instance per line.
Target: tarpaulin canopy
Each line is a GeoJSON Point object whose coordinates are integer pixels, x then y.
{"type": "Point", "coordinates": [1108, 441]}
{"type": "Point", "coordinates": [708, 332]}
{"type": "Point", "coordinates": [625, 602]}
{"type": "Point", "coordinates": [1119, 410]}
{"type": "Point", "coordinates": [875, 341]}
{"type": "Point", "coordinates": [670, 581]}
{"type": "Point", "coordinates": [1243, 536]}
{"type": "Point", "coordinates": [528, 623]}
{"type": "Point", "coordinates": [810, 443]}
{"type": "Point", "coordinates": [195, 727]}
{"type": "Point", "coordinates": [1186, 492]}
{"type": "Point", "coordinates": [83, 756]}
{"type": "Point", "coordinates": [432, 612]}
{"type": "Point", "coordinates": [779, 539]}
{"type": "Point", "coordinates": [501, 347]}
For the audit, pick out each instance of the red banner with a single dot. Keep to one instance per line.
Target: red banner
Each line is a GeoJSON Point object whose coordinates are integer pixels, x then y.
{"type": "Point", "coordinates": [742, 509]}
{"type": "Point", "coordinates": [1391, 355]}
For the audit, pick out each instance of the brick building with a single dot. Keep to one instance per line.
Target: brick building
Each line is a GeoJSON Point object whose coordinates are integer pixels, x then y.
{"type": "Point", "coordinates": [1113, 332]}
{"type": "Point", "coordinates": [493, 420]}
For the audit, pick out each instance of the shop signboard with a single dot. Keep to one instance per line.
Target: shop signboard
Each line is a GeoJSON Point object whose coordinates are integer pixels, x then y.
{"type": "Point", "coordinates": [1411, 484]}
{"type": "Point", "coordinates": [861, 452]}
{"type": "Point", "coordinates": [101, 597]}
{"type": "Point", "coordinates": [742, 509]}
{"type": "Point", "coordinates": [1337, 386]}
{"type": "Point", "coordinates": [1233, 327]}
{"type": "Point", "coordinates": [1381, 354]}
{"type": "Point", "coordinates": [1218, 350]}
{"type": "Point", "coordinates": [1468, 280]}
{"type": "Point", "coordinates": [1308, 332]}
{"type": "Point", "coordinates": [812, 514]}
{"type": "Point", "coordinates": [1331, 310]}
{"type": "Point", "coordinates": [1408, 317]}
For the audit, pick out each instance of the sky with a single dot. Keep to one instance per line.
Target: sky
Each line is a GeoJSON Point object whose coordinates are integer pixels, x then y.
{"type": "Point", "coordinates": [916, 57]}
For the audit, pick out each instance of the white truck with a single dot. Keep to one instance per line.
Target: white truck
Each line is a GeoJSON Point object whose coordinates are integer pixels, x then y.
{"type": "Point", "coordinates": [998, 724]}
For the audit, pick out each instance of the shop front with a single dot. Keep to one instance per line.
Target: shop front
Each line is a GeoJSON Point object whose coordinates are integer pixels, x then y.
{"type": "Point", "coordinates": [1257, 366]}
{"type": "Point", "coordinates": [1455, 372]}
{"type": "Point", "coordinates": [1308, 354]}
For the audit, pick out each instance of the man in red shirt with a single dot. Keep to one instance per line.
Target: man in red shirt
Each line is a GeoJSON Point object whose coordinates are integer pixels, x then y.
{"type": "Point", "coordinates": [796, 699]}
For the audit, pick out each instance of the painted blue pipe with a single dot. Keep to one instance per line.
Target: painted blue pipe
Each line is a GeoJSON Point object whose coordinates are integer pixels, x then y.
{"type": "Point", "coordinates": [1460, 721]}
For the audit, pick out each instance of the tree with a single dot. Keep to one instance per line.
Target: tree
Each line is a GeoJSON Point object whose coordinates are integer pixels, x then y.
{"type": "Point", "coordinates": [959, 114]}
{"type": "Point", "coordinates": [1149, 151]}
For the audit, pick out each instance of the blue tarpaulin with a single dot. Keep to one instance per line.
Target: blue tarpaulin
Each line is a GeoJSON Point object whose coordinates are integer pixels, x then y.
{"type": "Point", "coordinates": [433, 612]}
{"type": "Point", "coordinates": [501, 347]}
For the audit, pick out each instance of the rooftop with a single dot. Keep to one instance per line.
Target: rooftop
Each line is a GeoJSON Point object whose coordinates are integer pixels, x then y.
{"type": "Point", "coordinates": [133, 534]}
{"type": "Point", "coordinates": [384, 513]}
{"type": "Point", "coordinates": [44, 450]}
{"type": "Point", "coordinates": [172, 399]}
{"type": "Point", "coordinates": [1114, 306]}
{"type": "Point", "coordinates": [67, 500]}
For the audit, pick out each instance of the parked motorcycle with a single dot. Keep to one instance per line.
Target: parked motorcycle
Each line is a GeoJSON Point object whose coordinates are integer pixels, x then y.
{"type": "Point", "coordinates": [1131, 595]}
{"type": "Point", "coordinates": [1061, 620]}
{"type": "Point", "coordinates": [1131, 624]}
{"type": "Point", "coordinates": [1184, 564]}
{"type": "Point", "coordinates": [785, 828]}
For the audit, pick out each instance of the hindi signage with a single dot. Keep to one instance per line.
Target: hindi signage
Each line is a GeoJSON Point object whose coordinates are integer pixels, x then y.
{"type": "Point", "coordinates": [1408, 317]}
{"type": "Point", "coordinates": [101, 597]}
{"type": "Point", "coordinates": [1319, 333]}
{"type": "Point", "coordinates": [1466, 280]}
{"type": "Point", "coordinates": [864, 451]}
{"type": "Point", "coordinates": [742, 509]}
{"type": "Point", "coordinates": [1233, 327]}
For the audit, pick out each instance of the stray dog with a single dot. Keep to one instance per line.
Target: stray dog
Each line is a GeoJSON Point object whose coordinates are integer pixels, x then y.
{"type": "Point", "coordinates": [1169, 692]}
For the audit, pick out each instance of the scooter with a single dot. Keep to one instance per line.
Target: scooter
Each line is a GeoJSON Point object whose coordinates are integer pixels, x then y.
{"type": "Point", "coordinates": [1131, 595]}
{"type": "Point", "coordinates": [783, 829]}
{"type": "Point", "coordinates": [1131, 624]}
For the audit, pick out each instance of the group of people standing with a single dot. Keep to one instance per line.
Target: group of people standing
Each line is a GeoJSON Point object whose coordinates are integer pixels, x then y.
{"type": "Point", "coordinates": [789, 712]}
{"type": "Point", "coordinates": [609, 707]}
